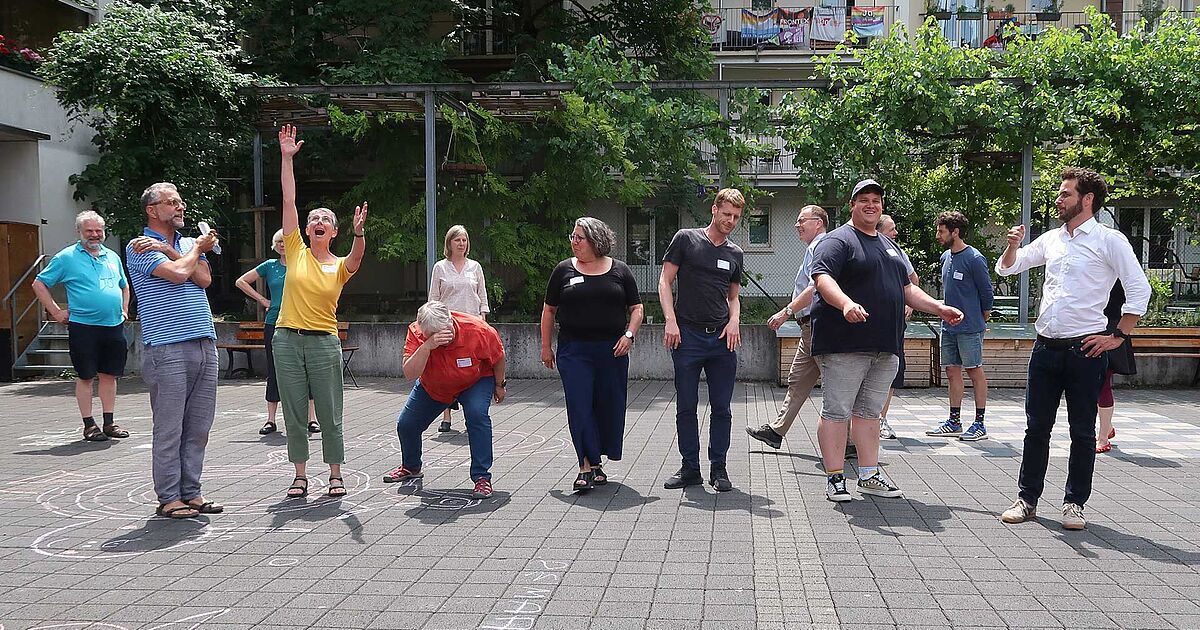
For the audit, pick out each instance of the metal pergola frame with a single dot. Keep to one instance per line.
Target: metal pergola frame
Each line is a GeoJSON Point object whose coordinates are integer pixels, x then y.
{"type": "Point", "coordinates": [523, 100]}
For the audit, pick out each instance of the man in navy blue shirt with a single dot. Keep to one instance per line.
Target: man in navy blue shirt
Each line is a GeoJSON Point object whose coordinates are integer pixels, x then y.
{"type": "Point", "coordinates": [967, 286]}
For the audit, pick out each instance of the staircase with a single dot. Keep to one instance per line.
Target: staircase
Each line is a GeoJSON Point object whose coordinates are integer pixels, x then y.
{"type": "Point", "coordinates": [47, 354]}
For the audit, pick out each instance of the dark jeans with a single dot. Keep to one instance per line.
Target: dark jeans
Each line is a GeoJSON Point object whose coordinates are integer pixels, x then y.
{"type": "Point", "coordinates": [1053, 372]}
{"type": "Point", "coordinates": [420, 411]}
{"type": "Point", "coordinates": [595, 383]}
{"type": "Point", "coordinates": [701, 350]}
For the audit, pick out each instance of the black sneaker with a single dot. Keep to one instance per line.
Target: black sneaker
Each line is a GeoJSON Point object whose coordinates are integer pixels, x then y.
{"type": "Point", "coordinates": [835, 489]}
{"type": "Point", "coordinates": [718, 478]}
{"type": "Point", "coordinates": [444, 427]}
{"type": "Point", "coordinates": [683, 478]}
{"type": "Point", "coordinates": [766, 435]}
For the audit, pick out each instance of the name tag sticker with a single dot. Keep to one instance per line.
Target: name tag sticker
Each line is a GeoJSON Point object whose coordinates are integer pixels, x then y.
{"type": "Point", "coordinates": [958, 275]}
{"type": "Point", "coordinates": [574, 281]}
{"type": "Point", "coordinates": [892, 252]}
{"type": "Point", "coordinates": [723, 264]}
{"type": "Point", "coordinates": [470, 274]}
{"type": "Point", "coordinates": [329, 268]}
{"type": "Point", "coordinates": [464, 362]}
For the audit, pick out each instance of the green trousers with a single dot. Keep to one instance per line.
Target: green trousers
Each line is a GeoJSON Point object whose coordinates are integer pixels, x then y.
{"type": "Point", "coordinates": [303, 364]}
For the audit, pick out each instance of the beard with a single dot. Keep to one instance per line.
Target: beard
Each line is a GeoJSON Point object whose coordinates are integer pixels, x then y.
{"type": "Point", "coordinates": [1066, 214]}
{"type": "Point", "coordinates": [92, 245]}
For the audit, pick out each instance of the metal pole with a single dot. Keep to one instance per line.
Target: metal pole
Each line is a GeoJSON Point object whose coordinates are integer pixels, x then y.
{"type": "Point", "coordinates": [258, 170]}
{"type": "Point", "coordinates": [723, 104]}
{"type": "Point", "coordinates": [430, 185]}
{"type": "Point", "coordinates": [1026, 216]}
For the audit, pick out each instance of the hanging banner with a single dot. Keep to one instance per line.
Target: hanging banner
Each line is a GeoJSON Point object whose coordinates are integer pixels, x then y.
{"type": "Point", "coordinates": [715, 25]}
{"type": "Point", "coordinates": [828, 24]}
{"type": "Point", "coordinates": [793, 27]}
{"type": "Point", "coordinates": [867, 21]}
{"type": "Point", "coordinates": [759, 25]}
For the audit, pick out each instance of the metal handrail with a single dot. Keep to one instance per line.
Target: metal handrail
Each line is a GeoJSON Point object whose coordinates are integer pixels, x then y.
{"type": "Point", "coordinates": [17, 284]}
{"type": "Point", "coordinates": [10, 300]}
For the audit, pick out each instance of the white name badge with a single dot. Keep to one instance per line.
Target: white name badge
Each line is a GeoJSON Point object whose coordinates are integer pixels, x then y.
{"type": "Point", "coordinates": [574, 281]}
{"type": "Point", "coordinates": [329, 268]}
{"type": "Point", "coordinates": [463, 363]}
{"type": "Point", "coordinates": [892, 252]}
{"type": "Point", "coordinates": [958, 275]}
{"type": "Point", "coordinates": [470, 274]}
{"type": "Point", "coordinates": [723, 264]}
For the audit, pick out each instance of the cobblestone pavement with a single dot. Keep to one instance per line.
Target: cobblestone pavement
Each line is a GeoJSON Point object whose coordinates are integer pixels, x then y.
{"type": "Point", "coordinates": [79, 547]}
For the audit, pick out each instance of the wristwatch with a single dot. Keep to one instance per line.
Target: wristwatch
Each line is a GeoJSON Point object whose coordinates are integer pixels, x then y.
{"type": "Point", "coordinates": [629, 335]}
{"type": "Point", "coordinates": [502, 384]}
{"type": "Point", "coordinates": [787, 310]}
{"type": "Point", "coordinates": [1117, 332]}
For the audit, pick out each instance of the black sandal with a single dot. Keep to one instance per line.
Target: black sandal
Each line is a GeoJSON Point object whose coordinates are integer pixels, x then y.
{"type": "Point", "coordinates": [338, 490]}
{"type": "Point", "coordinates": [303, 489]}
{"type": "Point", "coordinates": [268, 428]}
{"type": "Point", "coordinates": [585, 481]}
{"type": "Point", "coordinates": [598, 476]}
{"type": "Point", "coordinates": [175, 511]}
{"type": "Point", "coordinates": [313, 427]}
{"type": "Point", "coordinates": [94, 434]}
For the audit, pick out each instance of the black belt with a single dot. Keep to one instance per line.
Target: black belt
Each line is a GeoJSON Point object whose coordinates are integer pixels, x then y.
{"type": "Point", "coordinates": [311, 333]}
{"type": "Point", "coordinates": [1062, 344]}
{"type": "Point", "coordinates": [708, 330]}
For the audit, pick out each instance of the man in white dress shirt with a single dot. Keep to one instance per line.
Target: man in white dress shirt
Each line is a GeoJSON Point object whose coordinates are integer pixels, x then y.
{"type": "Point", "coordinates": [1083, 259]}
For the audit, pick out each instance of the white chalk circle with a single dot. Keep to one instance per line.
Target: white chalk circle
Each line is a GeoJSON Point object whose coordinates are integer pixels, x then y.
{"type": "Point", "coordinates": [283, 562]}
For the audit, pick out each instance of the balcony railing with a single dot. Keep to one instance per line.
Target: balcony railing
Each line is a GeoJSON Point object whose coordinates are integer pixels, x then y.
{"type": "Point", "coordinates": [974, 29]}
{"type": "Point", "coordinates": [778, 160]}
{"type": "Point", "coordinates": [795, 28]}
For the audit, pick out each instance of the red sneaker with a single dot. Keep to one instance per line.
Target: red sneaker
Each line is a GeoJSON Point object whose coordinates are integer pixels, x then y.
{"type": "Point", "coordinates": [483, 488]}
{"type": "Point", "coordinates": [400, 473]}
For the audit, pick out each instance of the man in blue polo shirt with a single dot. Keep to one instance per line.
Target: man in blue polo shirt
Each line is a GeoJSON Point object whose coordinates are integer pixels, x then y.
{"type": "Point", "coordinates": [97, 307]}
{"type": "Point", "coordinates": [169, 274]}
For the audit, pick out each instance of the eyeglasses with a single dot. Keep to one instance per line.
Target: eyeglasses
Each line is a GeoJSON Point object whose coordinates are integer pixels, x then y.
{"type": "Point", "coordinates": [174, 203]}
{"type": "Point", "coordinates": [801, 221]}
{"type": "Point", "coordinates": [575, 238]}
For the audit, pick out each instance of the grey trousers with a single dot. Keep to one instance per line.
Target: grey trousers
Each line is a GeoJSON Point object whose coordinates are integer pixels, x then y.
{"type": "Point", "coordinates": [183, 399]}
{"type": "Point", "coordinates": [803, 376]}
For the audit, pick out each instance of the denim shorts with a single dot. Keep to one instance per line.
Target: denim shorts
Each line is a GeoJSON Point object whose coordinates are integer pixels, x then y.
{"type": "Point", "coordinates": [962, 349]}
{"type": "Point", "coordinates": [855, 384]}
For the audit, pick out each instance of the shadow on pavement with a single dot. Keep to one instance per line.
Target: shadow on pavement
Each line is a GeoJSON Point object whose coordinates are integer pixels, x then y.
{"type": "Point", "coordinates": [320, 509]}
{"type": "Point", "coordinates": [1102, 537]}
{"type": "Point", "coordinates": [615, 496]}
{"type": "Point", "coordinates": [72, 448]}
{"type": "Point", "coordinates": [158, 534]}
{"type": "Point", "coordinates": [699, 498]}
{"type": "Point", "coordinates": [865, 513]}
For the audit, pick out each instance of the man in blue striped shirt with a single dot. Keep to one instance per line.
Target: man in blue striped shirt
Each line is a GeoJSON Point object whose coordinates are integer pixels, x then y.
{"type": "Point", "coordinates": [169, 274]}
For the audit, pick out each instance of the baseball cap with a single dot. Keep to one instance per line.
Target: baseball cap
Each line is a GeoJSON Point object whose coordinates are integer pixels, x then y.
{"type": "Point", "coordinates": [864, 186]}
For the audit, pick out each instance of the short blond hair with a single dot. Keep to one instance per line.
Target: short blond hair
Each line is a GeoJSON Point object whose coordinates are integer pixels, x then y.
{"type": "Point", "coordinates": [454, 232]}
{"type": "Point", "coordinates": [732, 196]}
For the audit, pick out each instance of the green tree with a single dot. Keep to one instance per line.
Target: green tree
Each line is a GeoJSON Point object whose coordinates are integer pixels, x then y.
{"type": "Point", "coordinates": [161, 89]}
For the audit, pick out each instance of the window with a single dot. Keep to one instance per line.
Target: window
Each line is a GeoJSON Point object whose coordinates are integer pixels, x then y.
{"type": "Point", "coordinates": [758, 225]}
{"type": "Point", "coordinates": [1152, 234]}
{"type": "Point", "coordinates": [34, 23]}
{"type": "Point", "coordinates": [648, 232]}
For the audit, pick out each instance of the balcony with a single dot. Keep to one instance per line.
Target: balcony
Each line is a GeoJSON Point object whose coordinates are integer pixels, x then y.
{"type": "Point", "coordinates": [776, 165]}
{"type": "Point", "coordinates": [973, 29]}
{"type": "Point", "coordinates": [795, 28]}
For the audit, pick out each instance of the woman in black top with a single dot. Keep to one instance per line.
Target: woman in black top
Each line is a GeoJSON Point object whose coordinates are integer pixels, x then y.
{"type": "Point", "coordinates": [1120, 361]}
{"type": "Point", "coordinates": [590, 295]}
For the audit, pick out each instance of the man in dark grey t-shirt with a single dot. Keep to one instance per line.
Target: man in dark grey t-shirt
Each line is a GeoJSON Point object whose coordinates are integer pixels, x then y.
{"type": "Point", "coordinates": [858, 327]}
{"type": "Point", "coordinates": [702, 333]}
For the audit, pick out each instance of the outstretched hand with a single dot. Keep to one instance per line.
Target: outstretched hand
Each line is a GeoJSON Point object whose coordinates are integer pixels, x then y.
{"type": "Point", "coordinates": [288, 146]}
{"type": "Point", "coordinates": [360, 218]}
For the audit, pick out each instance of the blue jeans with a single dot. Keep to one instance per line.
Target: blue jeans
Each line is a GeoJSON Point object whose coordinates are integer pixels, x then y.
{"type": "Point", "coordinates": [1053, 372]}
{"type": "Point", "coordinates": [701, 350]}
{"type": "Point", "coordinates": [420, 411]}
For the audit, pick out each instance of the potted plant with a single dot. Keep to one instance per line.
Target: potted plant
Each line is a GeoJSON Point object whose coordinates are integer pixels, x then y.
{"type": "Point", "coordinates": [969, 14]}
{"type": "Point", "coordinates": [999, 14]}
{"type": "Point", "coordinates": [1052, 12]}
{"type": "Point", "coordinates": [932, 8]}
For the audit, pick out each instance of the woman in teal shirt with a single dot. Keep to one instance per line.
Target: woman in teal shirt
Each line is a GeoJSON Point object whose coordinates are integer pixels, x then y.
{"type": "Point", "coordinates": [273, 272]}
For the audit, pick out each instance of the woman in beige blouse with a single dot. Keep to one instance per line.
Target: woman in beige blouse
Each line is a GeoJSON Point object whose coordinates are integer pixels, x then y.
{"type": "Point", "coordinates": [457, 282]}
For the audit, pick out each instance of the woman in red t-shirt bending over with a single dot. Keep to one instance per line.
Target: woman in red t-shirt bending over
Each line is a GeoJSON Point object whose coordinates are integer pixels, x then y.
{"type": "Point", "coordinates": [452, 356]}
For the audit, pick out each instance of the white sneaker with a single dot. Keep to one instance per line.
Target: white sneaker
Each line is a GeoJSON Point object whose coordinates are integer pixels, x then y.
{"type": "Point", "coordinates": [1019, 512]}
{"type": "Point", "coordinates": [1073, 516]}
{"type": "Point", "coordinates": [835, 489]}
{"type": "Point", "coordinates": [885, 430]}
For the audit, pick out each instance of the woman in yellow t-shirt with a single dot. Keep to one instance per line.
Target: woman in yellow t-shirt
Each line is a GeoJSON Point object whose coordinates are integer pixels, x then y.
{"type": "Point", "coordinates": [308, 354]}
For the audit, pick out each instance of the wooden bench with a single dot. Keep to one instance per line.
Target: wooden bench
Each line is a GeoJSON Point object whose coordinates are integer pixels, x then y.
{"type": "Point", "coordinates": [919, 353]}
{"type": "Point", "coordinates": [1179, 343]}
{"type": "Point", "coordinates": [250, 337]}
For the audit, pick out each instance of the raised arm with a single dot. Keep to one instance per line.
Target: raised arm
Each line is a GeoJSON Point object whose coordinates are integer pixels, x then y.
{"type": "Point", "coordinates": [354, 260]}
{"type": "Point", "coordinates": [288, 147]}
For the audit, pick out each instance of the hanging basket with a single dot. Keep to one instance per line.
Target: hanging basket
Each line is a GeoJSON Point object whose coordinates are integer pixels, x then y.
{"type": "Point", "coordinates": [463, 169]}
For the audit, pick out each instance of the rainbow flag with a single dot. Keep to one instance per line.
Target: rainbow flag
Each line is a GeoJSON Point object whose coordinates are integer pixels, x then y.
{"type": "Point", "coordinates": [760, 25]}
{"type": "Point", "coordinates": [867, 21]}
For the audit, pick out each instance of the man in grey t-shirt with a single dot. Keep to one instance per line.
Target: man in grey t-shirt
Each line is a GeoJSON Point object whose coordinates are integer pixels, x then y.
{"type": "Point", "coordinates": [702, 334]}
